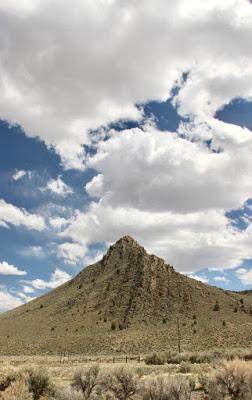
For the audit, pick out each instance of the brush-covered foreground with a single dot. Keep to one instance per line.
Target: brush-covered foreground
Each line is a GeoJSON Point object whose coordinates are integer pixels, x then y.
{"type": "Point", "coordinates": [201, 376]}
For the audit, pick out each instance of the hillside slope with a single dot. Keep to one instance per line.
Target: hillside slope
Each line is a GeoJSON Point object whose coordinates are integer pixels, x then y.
{"type": "Point", "coordinates": [137, 294]}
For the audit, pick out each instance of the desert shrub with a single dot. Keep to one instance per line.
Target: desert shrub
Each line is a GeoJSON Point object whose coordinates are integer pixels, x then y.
{"type": "Point", "coordinates": [17, 390]}
{"type": "Point", "coordinates": [122, 384]}
{"type": "Point", "coordinates": [171, 357]}
{"type": "Point", "coordinates": [87, 381]}
{"type": "Point", "coordinates": [155, 359]}
{"type": "Point", "coordinates": [172, 388]}
{"type": "Point", "coordinates": [215, 392]}
{"type": "Point", "coordinates": [233, 380]}
{"type": "Point", "coordinates": [203, 380]}
{"type": "Point", "coordinates": [140, 372]}
{"type": "Point", "coordinates": [113, 326]}
{"type": "Point", "coordinates": [192, 383]}
{"type": "Point", "coordinates": [247, 355]}
{"type": "Point", "coordinates": [39, 383]}
{"type": "Point", "coordinates": [69, 393]}
{"type": "Point", "coordinates": [185, 367]}
{"type": "Point", "coordinates": [6, 379]}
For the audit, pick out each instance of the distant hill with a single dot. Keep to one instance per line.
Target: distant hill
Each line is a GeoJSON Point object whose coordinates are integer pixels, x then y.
{"type": "Point", "coordinates": [129, 302]}
{"type": "Point", "coordinates": [246, 291]}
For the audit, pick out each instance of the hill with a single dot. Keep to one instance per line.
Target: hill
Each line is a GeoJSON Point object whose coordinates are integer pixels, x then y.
{"type": "Point", "coordinates": [129, 302]}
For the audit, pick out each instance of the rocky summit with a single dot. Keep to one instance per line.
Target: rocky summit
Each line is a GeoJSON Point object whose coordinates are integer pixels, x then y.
{"type": "Point", "coordinates": [128, 302]}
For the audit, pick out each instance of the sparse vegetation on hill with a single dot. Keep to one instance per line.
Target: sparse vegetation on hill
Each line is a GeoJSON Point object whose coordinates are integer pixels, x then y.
{"type": "Point", "coordinates": [130, 302]}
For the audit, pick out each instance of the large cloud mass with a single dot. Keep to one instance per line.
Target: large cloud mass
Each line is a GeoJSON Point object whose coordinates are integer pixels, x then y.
{"type": "Point", "coordinates": [67, 67]}
{"type": "Point", "coordinates": [160, 171]}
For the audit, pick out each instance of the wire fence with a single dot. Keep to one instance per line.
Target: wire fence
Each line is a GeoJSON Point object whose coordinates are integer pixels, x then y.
{"type": "Point", "coordinates": [67, 356]}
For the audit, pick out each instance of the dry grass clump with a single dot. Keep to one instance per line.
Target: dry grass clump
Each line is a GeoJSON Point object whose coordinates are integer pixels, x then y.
{"type": "Point", "coordinates": [32, 384]}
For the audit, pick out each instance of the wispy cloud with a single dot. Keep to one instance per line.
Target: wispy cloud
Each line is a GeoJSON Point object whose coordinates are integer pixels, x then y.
{"type": "Point", "coordinates": [19, 174]}
{"type": "Point", "coordinates": [221, 279]}
{"type": "Point", "coordinates": [245, 276]}
{"type": "Point", "coordinates": [201, 278]}
{"type": "Point", "coordinates": [58, 187]}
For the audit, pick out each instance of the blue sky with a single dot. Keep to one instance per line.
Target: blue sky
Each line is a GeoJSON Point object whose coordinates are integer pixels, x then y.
{"type": "Point", "coordinates": [153, 145]}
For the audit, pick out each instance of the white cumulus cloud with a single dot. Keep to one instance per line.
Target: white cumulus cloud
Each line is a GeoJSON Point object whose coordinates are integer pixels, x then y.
{"type": "Point", "coordinates": [57, 278]}
{"type": "Point", "coordinates": [159, 171]}
{"type": "Point", "coordinates": [8, 269]}
{"type": "Point", "coordinates": [58, 87]}
{"type": "Point", "coordinates": [12, 215]}
{"type": "Point", "coordinates": [59, 187]}
{"type": "Point", "coordinates": [71, 252]}
{"type": "Point", "coordinates": [7, 300]}
{"type": "Point", "coordinates": [189, 241]}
